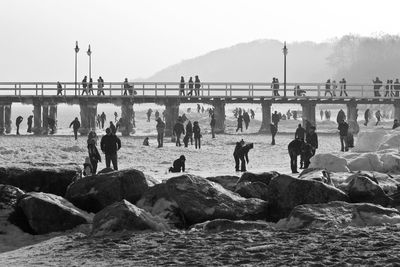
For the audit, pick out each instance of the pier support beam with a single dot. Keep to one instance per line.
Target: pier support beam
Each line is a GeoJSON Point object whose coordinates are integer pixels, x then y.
{"type": "Point", "coordinates": [53, 115]}
{"type": "Point", "coordinates": [37, 118]}
{"type": "Point", "coordinates": [266, 117]}
{"type": "Point", "coordinates": [219, 113]}
{"type": "Point", "coordinates": [397, 110]}
{"type": "Point", "coordinates": [127, 117]}
{"type": "Point", "coordinates": [1, 119]}
{"type": "Point", "coordinates": [171, 115]}
{"type": "Point", "coordinates": [352, 114]}
{"type": "Point", "coordinates": [308, 113]}
{"type": "Point", "coordinates": [45, 115]}
{"type": "Point", "coordinates": [88, 116]}
{"type": "Point", "coordinates": [7, 118]}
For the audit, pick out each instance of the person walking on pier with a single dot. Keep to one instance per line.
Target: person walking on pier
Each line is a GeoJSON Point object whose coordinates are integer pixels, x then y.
{"type": "Point", "coordinates": [84, 85]}
{"type": "Point", "coordinates": [212, 125]}
{"type": "Point", "coordinates": [75, 126]}
{"type": "Point", "coordinates": [127, 87]}
{"type": "Point", "coordinates": [179, 130]}
{"type": "Point", "coordinates": [239, 123]}
{"type": "Point", "coordinates": [197, 134]}
{"type": "Point", "coordinates": [396, 88]}
{"type": "Point", "coordinates": [110, 144]}
{"type": "Point", "coordinates": [90, 86]}
{"type": "Point", "coordinates": [378, 117]}
{"type": "Point", "coordinates": [190, 84]}
{"type": "Point", "coordinates": [334, 87]}
{"type": "Point", "coordinates": [149, 112]}
{"type": "Point", "coordinates": [160, 132]}
{"type": "Point", "coordinates": [197, 85]}
{"type": "Point", "coordinates": [275, 86]}
{"type": "Point", "coordinates": [387, 88]}
{"type": "Point", "coordinates": [328, 87]}
{"type": "Point", "coordinates": [343, 128]}
{"type": "Point", "coordinates": [30, 120]}
{"type": "Point", "coordinates": [59, 88]}
{"type": "Point", "coordinates": [182, 87]}
{"type": "Point", "coordinates": [343, 87]}
{"type": "Point", "coordinates": [100, 86]}
{"type": "Point", "coordinates": [366, 116]}
{"type": "Point", "coordinates": [18, 122]}
{"type": "Point", "coordinates": [377, 86]}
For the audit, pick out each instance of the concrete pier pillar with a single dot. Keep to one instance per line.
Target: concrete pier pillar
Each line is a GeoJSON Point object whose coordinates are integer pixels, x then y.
{"type": "Point", "coordinates": [1, 119]}
{"type": "Point", "coordinates": [397, 110]}
{"type": "Point", "coordinates": [37, 118]}
{"type": "Point", "coordinates": [171, 115]}
{"type": "Point", "coordinates": [7, 118]}
{"type": "Point", "coordinates": [45, 115]}
{"type": "Point", "coordinates": [219, 113]}
{"type": "Point", "coordinates": [127, 117]}
{"type": "Point", "coordinates": [308, 113]}
{"type": "Point", "coordinates": [88, 116]}
{"type": "Point", "coordinates": [352, 115]}
{"type": "Point", "coordinates": [53, 115]}
{"type": "Point", "coordinates": [266, 117]}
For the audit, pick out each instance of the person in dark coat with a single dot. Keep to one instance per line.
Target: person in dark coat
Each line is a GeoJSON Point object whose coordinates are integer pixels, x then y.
{"type": "Point", "coordinates": [90, 86]}
{"type": "Point", "coordinates": [127, 87]}
{"type": "Point", "coordinates": [160, 132]}
{"type": "Point", "coordinates": [197, 86]}
{"type": "Point", "coordinates": [190, 85]}
{"type": "Point", "coordinates": [113, 128]}
{"type": "Point", "coordinates": [94, 154]}
{"type": "Point", "coordinates": [189, 134]}
{"type": "Point", "coordinates": [246, 119]}
{"type": "Point", "coordinates": [243, 154]}
{"type": "Point", "coordinates": [366, 117]}
{"type": "Point", "coordinates": [296, 148]}
{"type": "Point", "coordinates": [52, 125]}
{"type": "Point", "coordinates": [110, 144]}
{"type": "Point", "coordinates": [103, 119]}
{"type": "Point", "coordinates": [179, 130]}
{"type": "Point", "coordinates": [146, 141]}
{"type": "Point", "coordinates": [274, 131]}
{"type": "Point", "coordinates": [149, 112]}
{"type": "Point", "coordinates": [312, 139]}
{"type": "Point", "coordinates": [212, 125]}
{"type": "Point", "coordinates": [30, 120]}
{"type": "Point", "coordinates": [378, 117]}
{"type": "Point", "coordinates": [240, 123]}
{"type": "Point", "coordinates": [343, 87]}
{"type": "Point", "coordinates": [275, 118]}
{"type": "Point", "coordinates": [178, 165]}
{"type": "Point", "coordinates": [59, 88]}
{"type": "Point", "coordinates": [84, 85]}
{"type": "Point", "coordinates": [182, 86]}
{"type": "Point", "coordinates": [343, 132]}
{"type": "Point", "coordinates": [75, 126]}
{"type": "Point", "coordinates": [18, 122]}
{"type": "Point", "coordinates": [395, 124]}
{"type": "Point", "coordinates": [197, 134]}
{"type": "Point", "coordinates": [396, 87]}
{"type": "Point", "coordinates": [300, 133]}
{"type": "Point", "coordinates": [341, 116]}
{"type": "Point", "coordinates": [238, 146]}
{"type": "Point", "coordinates": [377, 86]}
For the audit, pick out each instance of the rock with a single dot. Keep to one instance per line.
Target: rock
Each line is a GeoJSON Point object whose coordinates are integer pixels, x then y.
{"type": "Point", "coordinates": [329, 162]}
{"type": "Point", "coordinates": [264, 177]}
{"type": "Point", "coordinates": [385, 181]}
{"type": "Point", "coordinates": [123, 215]}
{"type": "Point", "coordinates": [366, 162]}
{"type": "Point", "coordinates": [50, 213]}
{"type": "Point", "coordinates": [252, 190]}
{"type": "Point", "coordinates": [316, 174]}
{"type": "Point", "coordinates": [94, 193]}
{"type": "Point", "coordinates": [286, 192]}
{"type": "Point", "coordinates": [54, 181]}
{"type": "Point", "coordinates": [339, 214]}
{"type": "Point", "coordinates": [199, 200]}
{"type": "Point", "coordinates": [9, 196]}
{"type": "Point", "coordinates": [390, 162]}
{"type": "Point", "coordinates": [220, 225]}
{"type": "Point", "coordinates": [227, 181]}
{"type": "Point", "coordinates": [105, 170]}
{"type": "Point", "coordinates": [361, 188]}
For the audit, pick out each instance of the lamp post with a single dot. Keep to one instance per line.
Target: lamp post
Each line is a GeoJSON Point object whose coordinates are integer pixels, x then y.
{"type": "Point", "coordinates": [285, 51]}
{"type": "Point", "coordinates": [76, 64]}
{"type": "Point", "coordinates": [89, 52]}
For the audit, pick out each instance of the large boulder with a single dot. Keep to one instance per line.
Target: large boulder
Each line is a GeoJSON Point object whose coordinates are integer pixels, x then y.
{"type": "Point", "coordinates": [227, 181]}
{"type": "Point", "coordinates": [264, 177]}
{"type": "Point", "coordinates": [286, 192]}
{"type": "Point", "coordinates": [123, 215]}
{"type": "Point", "coordinates": [366, 162]}
{"type": "Point", "coordinates": [8, 196]}
{"type": "Point", "coordinates": [200, 200]}
{"type": "Point", "coordinates": [94, 193]}
{"type": "Point", "coordinates": [252, 190]}
{"type": "Point", "coordinates": [316, 174]}
{"type": "Point", "coordinates": [329, 162]}
{"type": "Point", "coordinates": [339, 214]}
{"type": "Point", "coordinates": [47, 213]}
{"type": "Point", "coordinates": [54, 181]}
{"type": "Point", "coordinates": [220, 225]}
{"type": "Point", "coordinates": [362, 188]}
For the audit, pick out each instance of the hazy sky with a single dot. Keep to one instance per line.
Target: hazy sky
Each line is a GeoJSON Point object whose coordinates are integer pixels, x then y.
{"type": "Point", "coordinates": [136, 38]}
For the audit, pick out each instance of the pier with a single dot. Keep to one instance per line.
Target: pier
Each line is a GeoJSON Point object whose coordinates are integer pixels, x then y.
{"type": "Point", "coordinates": [43, 96]}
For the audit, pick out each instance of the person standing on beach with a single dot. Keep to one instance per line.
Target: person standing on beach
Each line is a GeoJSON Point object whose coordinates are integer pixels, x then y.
{"type": "Point", "coordinates": [239, 123]}
{"type": "Point", "coordinates": [300, 132]}
{"type": "Point", "coordinates": [189, 134]}
{"type": "Point", "coordinates": [18, 122]}
{"type": "Point", "coordinates": [274, 131]}
{"type": "Point", "coordinates": [110, 144]}
{"type": "Point", "coordinates": [160, 132]}
{"type": "Point", "coordinates": [149, 112]}
{"type": "Point", "coordinates": [212, 125]}
{"type": "Point", "coordinates": [76, 125]}
{"type": "Point", "coordinates": [103, 119]}
{"type": "Point", "coordinates": [197, 134]}
{"type": "Point", "coordinates": [30, 119]}
{"type": "Point", "coordinates": [275, 119]}
{"type": "Point", "coordinates": [179, 130]}
{"type": "Point", "coordinates": [366, 117]}
{"type": "Point", "coordinates": [343, 132]}
{"type": "Point", "coordinates": [113, 128]}
{"type": "Point", "coordinates": [84, 85]}
{"type": "Point", "coordinates": [321, 113]}
{"type": "Point", "coordinates": [246, 119]}
{"type": "Point", "coordinates": [312, 139]}
{"type": "Point", "coordinates": [378, 117]}
{"type": "Point", "coordinates": [94, 155]}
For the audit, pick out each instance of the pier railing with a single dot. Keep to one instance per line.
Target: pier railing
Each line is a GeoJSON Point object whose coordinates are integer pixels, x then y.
{"type": "Point", "coordinates": [207, 90]}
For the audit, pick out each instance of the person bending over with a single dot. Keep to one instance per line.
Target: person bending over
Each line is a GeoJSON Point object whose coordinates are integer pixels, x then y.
{"type": "Point", "coordinates": [178, 165]}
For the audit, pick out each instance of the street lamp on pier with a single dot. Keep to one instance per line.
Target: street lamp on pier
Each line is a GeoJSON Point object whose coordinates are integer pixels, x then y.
{"type": "Point", "coordinates": [76, 64]}
{"type": "Point", "coordinates": [89, 52]}
{"type": "Point", "coordinates": [285, 51]}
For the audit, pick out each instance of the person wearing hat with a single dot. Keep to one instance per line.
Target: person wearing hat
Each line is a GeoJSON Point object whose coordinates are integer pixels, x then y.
{"type": "Point", "coordinates": [178, 165]}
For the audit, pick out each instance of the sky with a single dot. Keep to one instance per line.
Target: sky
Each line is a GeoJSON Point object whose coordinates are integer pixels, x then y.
{"type": "Point", "coordinates": [136, 38]}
